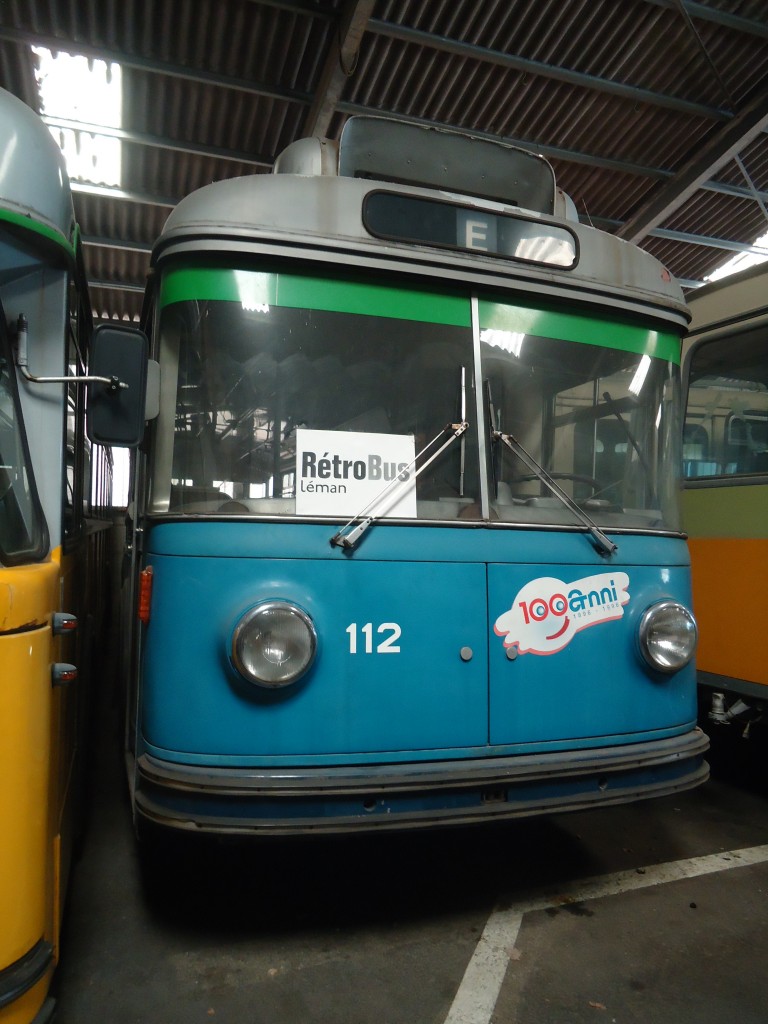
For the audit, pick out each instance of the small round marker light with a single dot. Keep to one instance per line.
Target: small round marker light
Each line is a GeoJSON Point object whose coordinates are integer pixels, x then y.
{"type": "Point", "coordinates": [667, 636]}
{"type": "Point", "coordinates": [273, 644]}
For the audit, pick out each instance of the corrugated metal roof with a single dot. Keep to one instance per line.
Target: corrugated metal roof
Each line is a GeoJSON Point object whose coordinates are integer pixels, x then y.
{"type": "Point", "coordinates": [651, 111]}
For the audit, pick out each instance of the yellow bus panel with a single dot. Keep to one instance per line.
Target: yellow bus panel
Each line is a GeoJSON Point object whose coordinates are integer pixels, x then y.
{"type": "Point", "coordinates": [733, 637]}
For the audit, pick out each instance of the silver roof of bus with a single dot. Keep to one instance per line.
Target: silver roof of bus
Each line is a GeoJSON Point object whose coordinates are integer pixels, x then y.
{"type": "Point", "coordinates": [33, 176]}
{"type": "Point", "coordinates": [308, 210]}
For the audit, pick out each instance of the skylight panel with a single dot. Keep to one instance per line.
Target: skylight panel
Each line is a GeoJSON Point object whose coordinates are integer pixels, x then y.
{"type": "Point", "coordinates": [77, 89]}
{"type": "Point", "coordinates": [742, 261]}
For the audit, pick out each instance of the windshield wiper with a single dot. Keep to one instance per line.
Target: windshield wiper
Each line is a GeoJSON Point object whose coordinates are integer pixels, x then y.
{"type": "Point", "coordinates": [367, 516]}
{"type": "Point", "coordinates": [602, 543]}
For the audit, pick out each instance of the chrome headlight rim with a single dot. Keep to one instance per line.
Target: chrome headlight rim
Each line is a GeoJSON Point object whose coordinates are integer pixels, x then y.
{"type": "Point", "coordinates": [242, 633]}
{"type": "Point", "coordinates": [671, 662]}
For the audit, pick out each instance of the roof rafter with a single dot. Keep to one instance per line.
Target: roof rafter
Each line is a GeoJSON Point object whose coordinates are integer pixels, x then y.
{"type": "Point", "coordinates": [159, 142]}
{"type": "Point", "coordinates": [551, 152]}
{"type": "Point", "coordinates": [121, 245]}
{"type": "Point", "coordinates": [718, 17]}
{"type": "Point", "coordinates": [728, 245]}
{"type": "Point", "coordinates": [128, 60]}
{"type": "Point", "coordinates": [129, 195]}
{"type": "Point", "coordinates": [535, 67]}
{"type": "Point", "coordinates": [723, 146]}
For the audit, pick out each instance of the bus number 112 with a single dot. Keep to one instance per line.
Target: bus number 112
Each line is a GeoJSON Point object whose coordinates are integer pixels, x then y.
{"type": "Point", "coordinates": [387, 646]}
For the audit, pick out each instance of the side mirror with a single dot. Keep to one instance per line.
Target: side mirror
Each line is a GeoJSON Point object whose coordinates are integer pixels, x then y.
{"type": "Point", "coordinates": [116, 413]}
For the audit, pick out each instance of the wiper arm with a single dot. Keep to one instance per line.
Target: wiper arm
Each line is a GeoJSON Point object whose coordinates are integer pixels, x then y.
{"type": "Point", "coordinates": [367, 516]}
{"type": "Point", "coordinates": [602, 543]}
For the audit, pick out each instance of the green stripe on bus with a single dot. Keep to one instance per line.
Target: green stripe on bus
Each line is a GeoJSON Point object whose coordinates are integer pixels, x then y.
{"type": "Point", "coordinates": [254, 290]}
{"type": "Point", "coordinates": [26, 223]}
{"type": "Point", "coordinates": [567, 326]}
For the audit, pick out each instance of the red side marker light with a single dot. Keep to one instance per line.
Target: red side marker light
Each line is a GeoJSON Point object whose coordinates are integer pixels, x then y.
{"type": "Point", "coordinates": [63, 623]}
{"type": "Point", "coordinates": [61, 674]}
{"type": "Point", "coordinates": [145, 594]}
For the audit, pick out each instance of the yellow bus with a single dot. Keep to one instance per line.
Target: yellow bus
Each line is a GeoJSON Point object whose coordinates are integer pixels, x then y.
{"type": "Point", "coordinates": [725, 501]}
{"type": "Point", "coordinates": [52, 554]}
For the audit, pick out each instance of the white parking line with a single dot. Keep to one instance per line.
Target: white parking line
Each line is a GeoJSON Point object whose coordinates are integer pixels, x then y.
{"type": "Point", "coordinates": [481, 984]}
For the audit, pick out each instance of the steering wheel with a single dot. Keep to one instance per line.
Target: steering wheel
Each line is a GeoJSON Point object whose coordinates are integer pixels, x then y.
{"type": "Point", "coordinates": [576, 477]}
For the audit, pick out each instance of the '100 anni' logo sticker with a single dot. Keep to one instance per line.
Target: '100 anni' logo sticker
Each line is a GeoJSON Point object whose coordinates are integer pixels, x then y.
{"type": "Point", "coordinates": [547, 613]}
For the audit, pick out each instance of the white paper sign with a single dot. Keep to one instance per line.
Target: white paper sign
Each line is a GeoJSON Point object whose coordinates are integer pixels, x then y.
{"type": "Point", "coordinates": [339, 473]}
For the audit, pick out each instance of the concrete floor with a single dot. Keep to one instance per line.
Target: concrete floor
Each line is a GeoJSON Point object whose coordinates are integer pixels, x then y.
{"type": "Point", "coordinates": [634, 914]}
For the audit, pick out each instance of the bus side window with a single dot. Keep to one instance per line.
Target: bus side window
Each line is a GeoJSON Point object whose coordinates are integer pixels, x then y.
{"type": "Point", "coordinates": [727, 401]}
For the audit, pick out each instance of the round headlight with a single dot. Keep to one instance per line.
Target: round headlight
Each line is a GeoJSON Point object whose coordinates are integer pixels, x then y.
{"type": "Point", "coordinates": [668, 636]}
{"type": "Point", "coordinates": [273, 644]}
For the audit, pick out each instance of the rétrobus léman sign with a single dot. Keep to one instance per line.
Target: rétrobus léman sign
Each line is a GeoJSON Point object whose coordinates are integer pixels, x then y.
{"type": "Point", "coordinates": [339, 473]}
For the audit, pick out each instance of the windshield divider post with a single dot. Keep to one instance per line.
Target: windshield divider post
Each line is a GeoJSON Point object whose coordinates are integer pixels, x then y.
{"type": "Point", "coordinates": [480, 415]}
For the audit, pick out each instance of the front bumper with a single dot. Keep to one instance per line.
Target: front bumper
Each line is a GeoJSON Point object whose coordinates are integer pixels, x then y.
{"type": "Point", "coordinates": [305, 801]}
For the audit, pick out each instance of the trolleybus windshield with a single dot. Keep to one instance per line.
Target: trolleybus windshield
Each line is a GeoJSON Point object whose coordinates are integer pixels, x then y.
{"type": "Point", "coordinates": [598, 409]}
{"type": "Point", "coordinates": [287, 395]}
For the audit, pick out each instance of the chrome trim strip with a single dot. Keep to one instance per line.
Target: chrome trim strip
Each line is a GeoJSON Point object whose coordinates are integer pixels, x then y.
{"type": "Point", "coordinates": [158, 518]}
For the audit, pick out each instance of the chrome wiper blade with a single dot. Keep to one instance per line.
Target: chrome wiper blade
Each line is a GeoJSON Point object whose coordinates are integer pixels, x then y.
{"type": "Point", "coordinates": [352, 531]}
{"type": "Point", "coordinates": [602, 543]}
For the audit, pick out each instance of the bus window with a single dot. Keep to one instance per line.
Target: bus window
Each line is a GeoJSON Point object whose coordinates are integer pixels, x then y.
{"type": "Point", "coordinates": [22, 531]}
{"type": "Point", "coordinates": [586, 416]}
{"type": "Point", "coordinates": [726, 423]}
{"type": "Point", "coordinates": [248, 380]}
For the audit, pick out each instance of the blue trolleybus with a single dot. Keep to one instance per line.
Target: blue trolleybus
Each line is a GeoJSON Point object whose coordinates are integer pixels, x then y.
{"type": "Point", "coordinates": [404, 532]}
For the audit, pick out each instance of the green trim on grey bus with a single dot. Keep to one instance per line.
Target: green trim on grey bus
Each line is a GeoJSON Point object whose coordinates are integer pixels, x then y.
{"type": "Point", "coordinates": [579, 327]}
{"type": "Point", "coordinates": [26, 223]}
{"type": "Point", "coordinates": [254, 290]}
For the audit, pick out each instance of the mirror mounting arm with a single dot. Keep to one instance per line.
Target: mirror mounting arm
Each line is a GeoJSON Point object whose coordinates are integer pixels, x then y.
{"type": "Point", "coordinates": [113, 383]}
{"type": "Point", "coordinates": [22, 364]}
